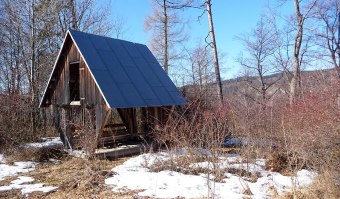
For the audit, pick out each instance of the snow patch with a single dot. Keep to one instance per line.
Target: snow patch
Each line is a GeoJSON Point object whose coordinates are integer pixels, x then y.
{"type": "Point", "coordinates": [15, 169]}
{"type": "Point", "coordinates": [18, 167]}
{"type": "Point", "coordinates": [169, 184]}
{"type": "Point", "coordinates": [48, 142]}
{"type": "Point", "coordinates": [2, 159]}
{"type": "Point", "coordinates": [26, 188]}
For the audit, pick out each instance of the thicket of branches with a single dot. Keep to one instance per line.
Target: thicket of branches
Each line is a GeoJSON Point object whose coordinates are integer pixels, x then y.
{"type": "Point", "coordinates": [279, 108]}
{"type": "Point", "coordinates": [282, 112]}
{"type": "Point", "coordinates": [31, 33]}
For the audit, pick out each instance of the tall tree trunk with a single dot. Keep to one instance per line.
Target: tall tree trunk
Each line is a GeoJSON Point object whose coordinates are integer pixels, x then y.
{"type": "Point", "coordinates": [165, 26]}
{"type": "Point", "coordinates": [213, 44]}
{"type": "Point", "coordinates": [74, 16]}
{"type": "Point", "coordinates": [33, 71]}
{"type": "Point", "coordinates": [296, 79]}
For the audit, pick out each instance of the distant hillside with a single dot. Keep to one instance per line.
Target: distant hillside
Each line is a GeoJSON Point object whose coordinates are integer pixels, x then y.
{"type": "Point", "coordinates": [278, 81]}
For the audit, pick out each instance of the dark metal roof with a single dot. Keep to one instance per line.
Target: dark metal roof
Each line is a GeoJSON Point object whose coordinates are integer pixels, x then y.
{"type": "Point", "coordinates": [126, 73]}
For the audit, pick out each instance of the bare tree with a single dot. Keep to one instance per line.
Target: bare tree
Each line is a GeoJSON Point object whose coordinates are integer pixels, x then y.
{"type": "Point", "coordinates": [167, 29]}
{"type": "Point", "coordinates": [260, 47]}
{"type": "Point", "coordinates": [300, 20]}
{"type": "Point", "coordinates": [327, 32]}
{"type": "Point", "coordinates": [201, 71]}
{"type": "Point", "coordinates": [90, 16]}
{"type": "Point", "coordinates": [282, 38]}
{"type": "Point", "coordinates": [214, 47]}
{"type": "Point", "coordinates": [11, 52]}
{"type": "Point", "coordinates": [120, 30]}
{"type": "Point", "coordinates": [32, 31]}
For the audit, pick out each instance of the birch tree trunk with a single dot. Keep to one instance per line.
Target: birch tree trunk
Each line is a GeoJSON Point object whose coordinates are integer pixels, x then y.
{"type": "Point", "coordinates": [296, 79]}
{"type": "Point", "coordinates": [214, 47]}
{"type": "Point", "coordinates": [297, 45]}
{"type": "Point", "coordinates": [165, 29]}
{"type": "Point", "coordinates": [34, 95]}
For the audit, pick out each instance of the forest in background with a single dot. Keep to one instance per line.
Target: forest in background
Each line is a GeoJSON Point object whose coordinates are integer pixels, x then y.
{"type": "Point", "coordinates": [273, 101]}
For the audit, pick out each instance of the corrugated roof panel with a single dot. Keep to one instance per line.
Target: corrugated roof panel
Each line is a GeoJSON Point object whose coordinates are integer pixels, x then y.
{"type": "Point", "coordinates": [131, 95]}
{"type": "Point", "coordinates": [146, 53]}
{"type": "Point", "coordinates": [153, 102]}
{"type": "Point", "coordinates": [113, 65]}
{"type": "Point", "coordinates": [100, 43]}
{"type": "Point", "coordinates": [122, 55]}
{"type": "Point", "coordinates": [128, 74]}
{"type": "Point", "coordinates": [163, 96]}
{"type": "Point", "coordinates": [163, 77]}
{"type": "Point", "coordinates": [147, 72]}
{"type": "Point", "coordinates": [142, 86]}
{"type": "Point", "coordinates": [78, 33]}
{"type": "Point", "coordinates": [132, 49]}
{"type": "Point", "coordinates": [111, 92]}
{"type": "Point", "coordinates": [177, 97]}
{"type": "Point", "coordinates": [89, 52]}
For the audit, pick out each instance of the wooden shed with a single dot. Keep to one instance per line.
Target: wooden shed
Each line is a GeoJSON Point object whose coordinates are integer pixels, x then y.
{"type": "Point", "coordinates": [103, 89]}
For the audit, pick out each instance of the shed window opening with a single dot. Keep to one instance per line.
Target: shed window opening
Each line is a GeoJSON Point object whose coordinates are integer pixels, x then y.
{"type": "Point", "coordinates": [74, 82]}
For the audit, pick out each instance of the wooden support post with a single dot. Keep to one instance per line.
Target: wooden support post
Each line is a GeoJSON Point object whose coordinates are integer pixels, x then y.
{"type": "Point", "coordinates": [156, 119]}
{"type": "Point", "coordinates": [144, 118]}
{"type": "Point", "coordinates": [102, 115]}
{"type": "Point", "coordinates": [126, 115]}
{"type": "Point", "coordinates": [56, 122]}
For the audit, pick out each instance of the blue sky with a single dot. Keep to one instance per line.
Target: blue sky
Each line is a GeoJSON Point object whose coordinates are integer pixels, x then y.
{"type": "Point", "coordinates": [230, 17]}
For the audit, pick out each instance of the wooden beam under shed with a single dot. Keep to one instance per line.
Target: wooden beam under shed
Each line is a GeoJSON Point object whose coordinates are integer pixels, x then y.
{"type": "Point", "coordinates": [127, 116]}
{"type": "Point", "coordinates": [102, 115]}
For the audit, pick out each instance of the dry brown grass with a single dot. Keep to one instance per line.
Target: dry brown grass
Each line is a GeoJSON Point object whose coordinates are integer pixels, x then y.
{"type": "Point", "coordinates": [324, 186]}
{"type": "Point", "coordinates": [16, 154]}
{"type": "Point", "coordinates": [75, 178]}
{"type": "Point", "coordinates": [284, 164]}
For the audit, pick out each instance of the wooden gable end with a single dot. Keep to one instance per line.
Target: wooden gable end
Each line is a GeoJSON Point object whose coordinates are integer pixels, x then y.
{"type": "Point", "coordinates": [71, 82]}
{"type": "Point", "coordinates": [89, 91]}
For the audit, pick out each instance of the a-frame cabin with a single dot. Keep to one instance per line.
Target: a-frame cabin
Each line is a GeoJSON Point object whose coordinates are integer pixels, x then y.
{"type": "Point", "coordinates": [105, 89]}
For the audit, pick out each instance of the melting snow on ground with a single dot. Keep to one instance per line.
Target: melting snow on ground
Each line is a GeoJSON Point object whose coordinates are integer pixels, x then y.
{"type": "Point", "coordinates": [169, 184]}
{"type": "Point", "coordinates": [26, 188]}
{"type": "Point", "coordinates": [48, 142]}
{"type": "Point", "coordinates": [18, 167]}
{"type": "Point", "coordinates": [24, 167]}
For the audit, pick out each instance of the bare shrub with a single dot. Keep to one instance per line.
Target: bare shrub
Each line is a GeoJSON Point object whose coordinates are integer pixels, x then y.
{"type": "Point", "coordinates": [249, 176]}
{"type": "Point", "coordinates": [34, 154]}
{"type": "Point", "coordinates": [195, 129]}
{"type": "Point", "coordinates": [16, 125]}
{"type": "Point", "coordinates": [178, 164]}
{"type": "Point", "coordinates": [82, 133]}
{"type": "Point", "coordinates": [197, 134]}
{"type": "Point", "coordinates": [323, 187]}
{"type": "Point", "coordinates": [304, 135]}
{"type": "Point", "coordinates": [284, 164]}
